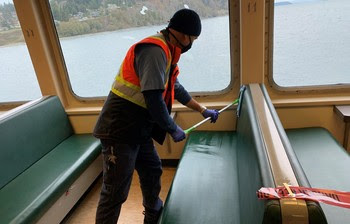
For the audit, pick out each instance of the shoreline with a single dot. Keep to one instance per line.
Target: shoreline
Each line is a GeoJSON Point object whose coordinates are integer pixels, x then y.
{"type": "Point", "coordinates": [98, 33]}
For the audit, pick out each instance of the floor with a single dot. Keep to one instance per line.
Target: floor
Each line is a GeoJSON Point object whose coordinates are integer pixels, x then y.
{"type": "Point", "coordinates": [132, 209]}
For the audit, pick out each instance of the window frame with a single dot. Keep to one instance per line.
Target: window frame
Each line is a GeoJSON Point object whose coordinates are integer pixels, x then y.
{"type": "Point", "coordinates": [234, 58]}
{"type": "Point", "coordinates": [6, 105]}
{"type": "Point", "coordinates": [331, 88]}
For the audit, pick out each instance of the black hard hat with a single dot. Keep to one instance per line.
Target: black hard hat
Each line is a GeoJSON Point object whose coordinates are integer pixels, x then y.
{"type": "Point", "coordinates": [187, 22]}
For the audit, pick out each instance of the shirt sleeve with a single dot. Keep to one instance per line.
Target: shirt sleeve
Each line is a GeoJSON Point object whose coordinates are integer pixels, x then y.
{"type": "Point", "coordinates": [157, 108]}
{"type": "Point", "coordinates": [181, 93]}
{"type": "Point", "coordinates": [150, 66]}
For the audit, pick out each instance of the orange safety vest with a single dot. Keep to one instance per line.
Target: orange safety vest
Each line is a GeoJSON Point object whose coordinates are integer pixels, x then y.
{"type": "Point", "coordinates": [127, 83]}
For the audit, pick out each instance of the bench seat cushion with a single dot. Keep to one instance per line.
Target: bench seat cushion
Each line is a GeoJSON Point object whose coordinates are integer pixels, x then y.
{"type": "Point", "coordinates": [29, 195]}
{"type": "Point", "coordinates": [29, 134]}
{"type": "Point", "coordinates": [326, 165]}
{"type": "Point", "coordinates": [205, 189]}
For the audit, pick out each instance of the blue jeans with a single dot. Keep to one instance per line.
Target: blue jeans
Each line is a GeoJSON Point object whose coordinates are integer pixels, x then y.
{"type": "Point", "coordinates": [119, 162]}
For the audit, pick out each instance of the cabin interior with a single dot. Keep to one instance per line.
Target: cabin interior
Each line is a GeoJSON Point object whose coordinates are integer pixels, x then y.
{"type": "Point", "coordinates": [297, 135]}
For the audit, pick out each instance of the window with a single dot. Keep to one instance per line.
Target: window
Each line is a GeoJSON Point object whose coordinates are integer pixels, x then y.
{"type": "Point", "coordinates": [95, 36]}
{"type": "Point", "coordinates": [17, 77]}
{"type": "Point", "coordinates": [311, 42]}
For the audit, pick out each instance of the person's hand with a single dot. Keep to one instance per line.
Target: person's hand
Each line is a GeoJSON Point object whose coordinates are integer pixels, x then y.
{"type": "Point", "coordinates": [213, 114]}
{"type": "Point", "coordinates": [178, 135]}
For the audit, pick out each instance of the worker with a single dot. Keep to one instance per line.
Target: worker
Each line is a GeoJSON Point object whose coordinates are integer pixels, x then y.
{"type": "Point", "coordinates": [138, 109]}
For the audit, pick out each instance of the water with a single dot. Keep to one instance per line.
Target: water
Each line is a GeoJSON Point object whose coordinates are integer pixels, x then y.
{"type": "Point", "coordinates": [312, 43]}
{"type": "Point", "coordinates": [17, 77]}
{"type": "Point", "coordinates": [93, 61]}
{"type": "Point", "coordinates": [311, 47]}
{"type": "Point", "coordinates": [206, 67]}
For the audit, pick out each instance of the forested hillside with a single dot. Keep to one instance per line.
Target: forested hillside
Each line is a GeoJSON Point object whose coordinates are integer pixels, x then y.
{"type": "Point", "coordinates": [76, 17]}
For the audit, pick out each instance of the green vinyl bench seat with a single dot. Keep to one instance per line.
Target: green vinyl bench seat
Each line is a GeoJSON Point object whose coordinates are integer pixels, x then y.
{"type": "Point", "coordinates": [40, 159]}
{"type": "Point", "coordinates": [220, 171]}
{"type": "Point", "coordinates": [205, 186]}
{"type": "Point", "coordinates": [326, 165]}
{"type": "Point", "coordinates": [218, 175]}
{"type": "Point", "coordinates": [29, 195]}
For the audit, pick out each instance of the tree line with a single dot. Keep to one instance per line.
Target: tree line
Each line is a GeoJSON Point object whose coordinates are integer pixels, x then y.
{"type": "Point", "coordinates": [8, 17]}
{"type": "Point", "coordinates": [91, 16]}
{"type": "Point", "coordinates": [77, 17]}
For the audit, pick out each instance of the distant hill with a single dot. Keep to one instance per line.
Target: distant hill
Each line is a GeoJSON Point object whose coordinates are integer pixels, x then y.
{"type": "Point", "coordinates": [76, 17]}
{"type": "Point", "coordinates": [91, 16]}
{"type": "Point", "coordinates": [64, 10]}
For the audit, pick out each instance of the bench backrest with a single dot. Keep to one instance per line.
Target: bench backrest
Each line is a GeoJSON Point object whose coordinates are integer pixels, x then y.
{"type": "Point", "coordinates": [254, 169]}
{"type": "Point", "coordinates": [259, 131]}
{"type": "Point", "coordinates": [314, 210]}
{"type": "Point", "coordinates": [30, 132]}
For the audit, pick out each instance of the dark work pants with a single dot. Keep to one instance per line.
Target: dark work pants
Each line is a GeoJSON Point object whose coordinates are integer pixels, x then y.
{"type": "Point", "coordinates": [119, 162]}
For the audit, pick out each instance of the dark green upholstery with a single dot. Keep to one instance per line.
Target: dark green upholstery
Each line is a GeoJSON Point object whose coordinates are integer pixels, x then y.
{"type": "Point", "coordinates": [315, 213]}
{"type": "Point", "coordinates": [29, 134]}
{"type": "Point", "coordinates": [326, 164]}
{"type": "Point", "coordinates": [218, 176]}
{"type": "Point", "coordinates": [253, 168]}
{"type": "Point", "coordinates": [220, 172]}
{"type": "Point", "coordinates": [205, 188]}
{"type": "Point", "coordinates": [41, 177]}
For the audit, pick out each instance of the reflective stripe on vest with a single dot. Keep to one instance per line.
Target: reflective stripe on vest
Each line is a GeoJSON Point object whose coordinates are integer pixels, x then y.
{"type": "Point", "coordinates": [127, 83]}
